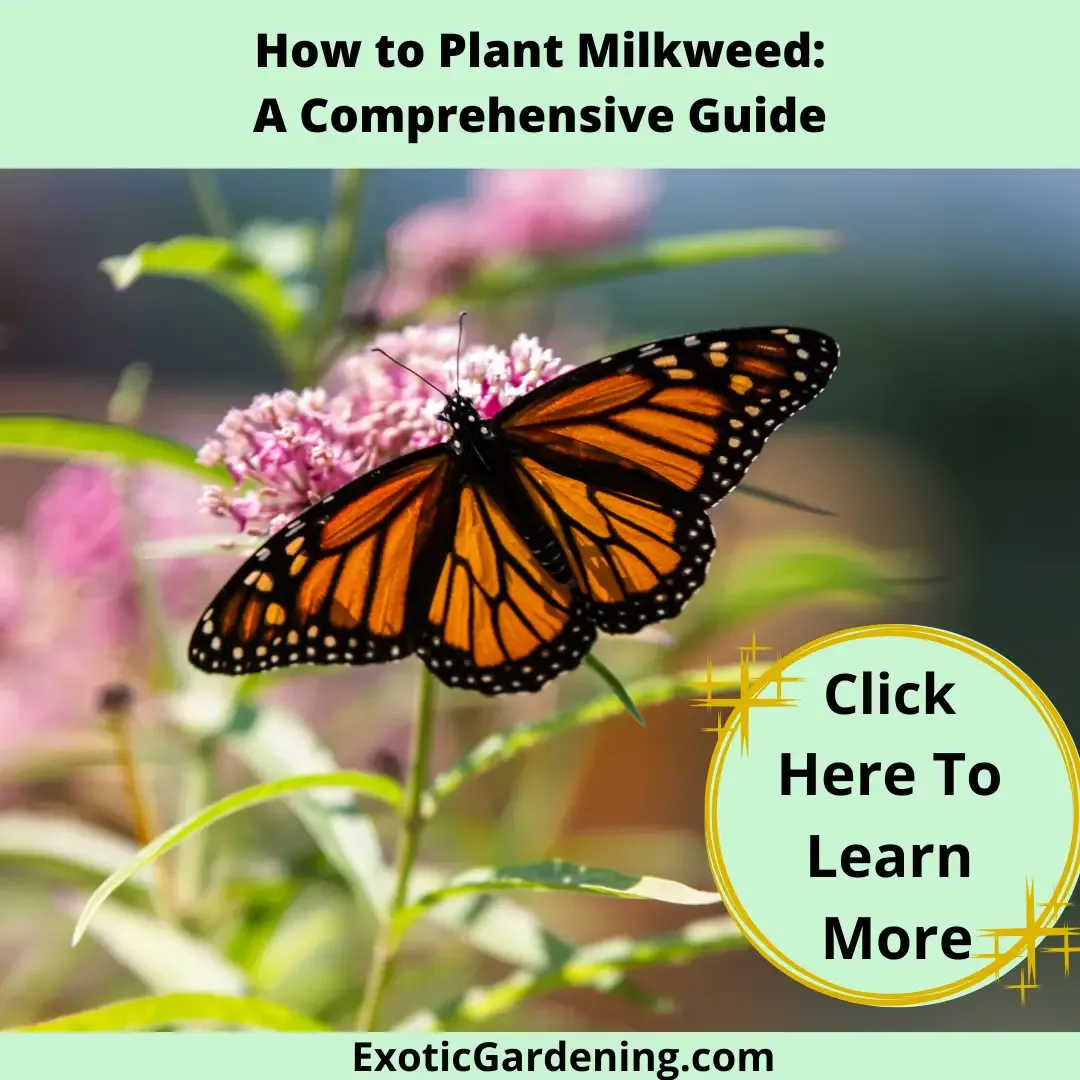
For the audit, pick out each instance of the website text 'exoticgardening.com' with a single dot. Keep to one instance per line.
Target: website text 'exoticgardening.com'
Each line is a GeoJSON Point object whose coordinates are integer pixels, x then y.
{"type": "Point", "coordinates": [502, 1057]}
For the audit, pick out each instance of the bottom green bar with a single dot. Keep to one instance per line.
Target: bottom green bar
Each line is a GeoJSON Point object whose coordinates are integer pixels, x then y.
{"type": "Point", "coordinates": [664, 1056]}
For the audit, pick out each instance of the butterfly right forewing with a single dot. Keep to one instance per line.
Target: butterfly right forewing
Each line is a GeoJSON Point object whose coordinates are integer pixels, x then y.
{"type": "Point", "coordinates": [624, 456]}
{"type": "Point", "coordinates": [690, 414]}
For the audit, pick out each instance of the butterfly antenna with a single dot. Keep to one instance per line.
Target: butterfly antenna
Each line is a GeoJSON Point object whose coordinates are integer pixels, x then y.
{"type": "Point", "coordinates": [411, 372]}
{"type": "Point", "coordinates": [457, 361]}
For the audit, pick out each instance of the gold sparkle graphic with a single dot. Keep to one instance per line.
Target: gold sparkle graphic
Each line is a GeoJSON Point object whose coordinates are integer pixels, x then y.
{"type": "Point", "coordinates": [751, 691]}
{"type": "Point", "coordinates": [1028, 937]}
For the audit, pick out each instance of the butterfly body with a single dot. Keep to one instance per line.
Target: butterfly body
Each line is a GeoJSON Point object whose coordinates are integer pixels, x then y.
{"type": "Point", "coordinates": [498, 555]}
{"type": "Point", "coordinates": [485, 454]}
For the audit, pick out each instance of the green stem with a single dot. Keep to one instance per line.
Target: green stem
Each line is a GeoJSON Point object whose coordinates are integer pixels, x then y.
{"type": "Point", "coordinates": [338, 242]}
{"type": "Point", "coordinates": [197, 792]}
{"type": "Point", "coordinates": [209, 203]}
{"type": "Point", "coordinates": [388, 940]}
{"type": "Point", "coordinates": [125, 408]}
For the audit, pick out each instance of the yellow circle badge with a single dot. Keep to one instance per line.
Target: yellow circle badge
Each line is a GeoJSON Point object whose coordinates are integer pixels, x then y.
{"type": "Point", "coordinates": [893, 816]}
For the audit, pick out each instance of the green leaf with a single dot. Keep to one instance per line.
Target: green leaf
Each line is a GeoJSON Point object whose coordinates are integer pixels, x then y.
{"type": "Point", "coordinates": [61, 438]}
{"type": "Point", "coordinates": [795, 570]}
{"type": "Point", "coordinates": [172, 1010]}
{"type": "Point", "coordinates": [221, 265]}
{"type": "Point", "coordinates": [498, 927]}
{"type": "Point", "coordinates": [166, 959]}
{"type": "Point", "coordinates": [596, 967]}
{"type": "Point", "coordinates": [65, 840]}
{"type": "Point", "coordinates": [129, 398]}
{"type": "Point", "coordinates": [274, 744]}
{"type": "Point", "coordinates": [379, 787]}
{"type": "Point", "coordinates": [503, 746]}
{"type": "Point", "coordinates": [287, 249]}
{"type": "Point", "coordinates": [561, 876]}
{"type": "Point", "coordinates": [522, 278]}
{"type": "Point", "coordinates": [277, 745]}
{"type": "Point", "coordinates": [617, 687]}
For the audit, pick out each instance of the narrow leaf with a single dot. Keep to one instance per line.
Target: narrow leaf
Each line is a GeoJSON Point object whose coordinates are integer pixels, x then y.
{"type": "Point", "coordinates": [379, 787]}
{"type": "Point", "coordinates": [521, 278]}
{"type": "Point", "coordinates": [61, 438]}
{"type": "Point", "coordinates": [561, 876]}
{"type": "Point", "coordinates": [65, 840]}
{"type": "Point", "coordinates": [501, 928]}
{"type": "Point", "coordinates": [166, 959]}
{"type": "Point", "coordinates": [617, 687]}
{"type": "Point", "coordinates": [504, 746]}
{"type": "Point", "coordinates": [796, 570]}
{"type": "Point", "coordinates": [175, 1010]}
{"type": "Point", "coordinates": [595, 966]}
{"type": "Point", "coordinates": [221, 265]}
{"type": "Point", "coordinates": [182, 547]}
{"type": "Point", "coordinates": [274, 744]}
{"type": "Point", "coordinates": [777, 499]}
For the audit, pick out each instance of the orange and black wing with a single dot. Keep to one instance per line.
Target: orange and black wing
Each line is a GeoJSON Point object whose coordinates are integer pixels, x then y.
{"type": "Point", "coordinates": [498, 621]}
{"type": "Point", "coordinates": [337, 584]}
{"type": "Point", "coordinates": [623, 456]}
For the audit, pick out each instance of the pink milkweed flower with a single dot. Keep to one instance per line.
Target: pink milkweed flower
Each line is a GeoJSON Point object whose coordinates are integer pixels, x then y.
{"type": "Point", "coordinates": [288, 450]}
{"type": "Point", "coordinates": [509, 214]}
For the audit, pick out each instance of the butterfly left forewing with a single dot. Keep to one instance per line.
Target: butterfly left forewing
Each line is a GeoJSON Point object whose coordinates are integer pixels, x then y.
{"type": "Point", "coordinates": [332, 587]}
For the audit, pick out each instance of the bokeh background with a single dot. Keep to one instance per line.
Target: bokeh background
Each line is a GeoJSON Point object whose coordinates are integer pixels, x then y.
{"type": "Point", "coordinates": [947, 437]}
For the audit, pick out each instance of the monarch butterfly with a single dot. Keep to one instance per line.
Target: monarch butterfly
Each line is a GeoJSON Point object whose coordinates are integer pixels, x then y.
{"type": "Point", "coordinates": [497, 555]}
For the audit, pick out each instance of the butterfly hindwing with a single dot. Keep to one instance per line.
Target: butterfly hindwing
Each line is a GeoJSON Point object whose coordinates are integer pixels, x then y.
{"type": "Point", "coordinates": [497, 620]}
{"type": "Point", "coordinates": [637, 560]}
{"type": "Point", "coordinates": [677, 419]}
{"type": "Point", "coordinates": [333, 586]}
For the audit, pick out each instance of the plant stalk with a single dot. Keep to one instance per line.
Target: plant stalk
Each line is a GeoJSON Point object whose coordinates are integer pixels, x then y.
{"type": "Point", "coordinates": [388, 939]}
{"type": "Point", "coordinates": [209, 203]}
{"type": "Point", "coordinates": [338, 243]}
{"type": "Point", "coordinates": [197, 792]}
{"type": "Point", "coordinates": [115, 707]}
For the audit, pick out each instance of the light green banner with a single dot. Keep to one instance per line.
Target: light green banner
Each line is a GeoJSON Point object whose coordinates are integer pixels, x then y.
{"type": "Point", "coordinates": [665, 1057]}
{"type": "Point", "coordinates": [123, 83]}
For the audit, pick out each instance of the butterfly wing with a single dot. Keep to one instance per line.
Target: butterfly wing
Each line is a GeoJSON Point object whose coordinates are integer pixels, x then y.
{"type": "Point", "coordinates": [624, 456]}
{"type": "Point", "coordinates": [497, 620]}
{"type": "Point", "coordinates": [335, 585]}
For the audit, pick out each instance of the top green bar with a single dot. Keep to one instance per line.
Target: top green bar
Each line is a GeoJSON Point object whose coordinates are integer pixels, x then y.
{"type": "Point", "coordinates": [425, 83]}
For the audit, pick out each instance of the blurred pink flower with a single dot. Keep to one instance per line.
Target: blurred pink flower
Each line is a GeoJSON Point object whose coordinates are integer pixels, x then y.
{"type": "Point", "coordinates": [77, 527]}
{"type": "Point", "coordinates": [53, 655]}
{"type": "Point", "coordinates": [296, 448]}
{"type": "Point", "coordinates": [430, 251]}
{"type": "Point", "coordinates": [529, 213]}
{"type": "Point", "coordinates": [541, 212]}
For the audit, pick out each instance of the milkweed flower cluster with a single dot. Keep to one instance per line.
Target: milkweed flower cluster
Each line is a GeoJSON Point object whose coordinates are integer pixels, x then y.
{"type": "Point", "coordinates": [288, 450]}
{"type": "Point", "coordinates": [509, 214]}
